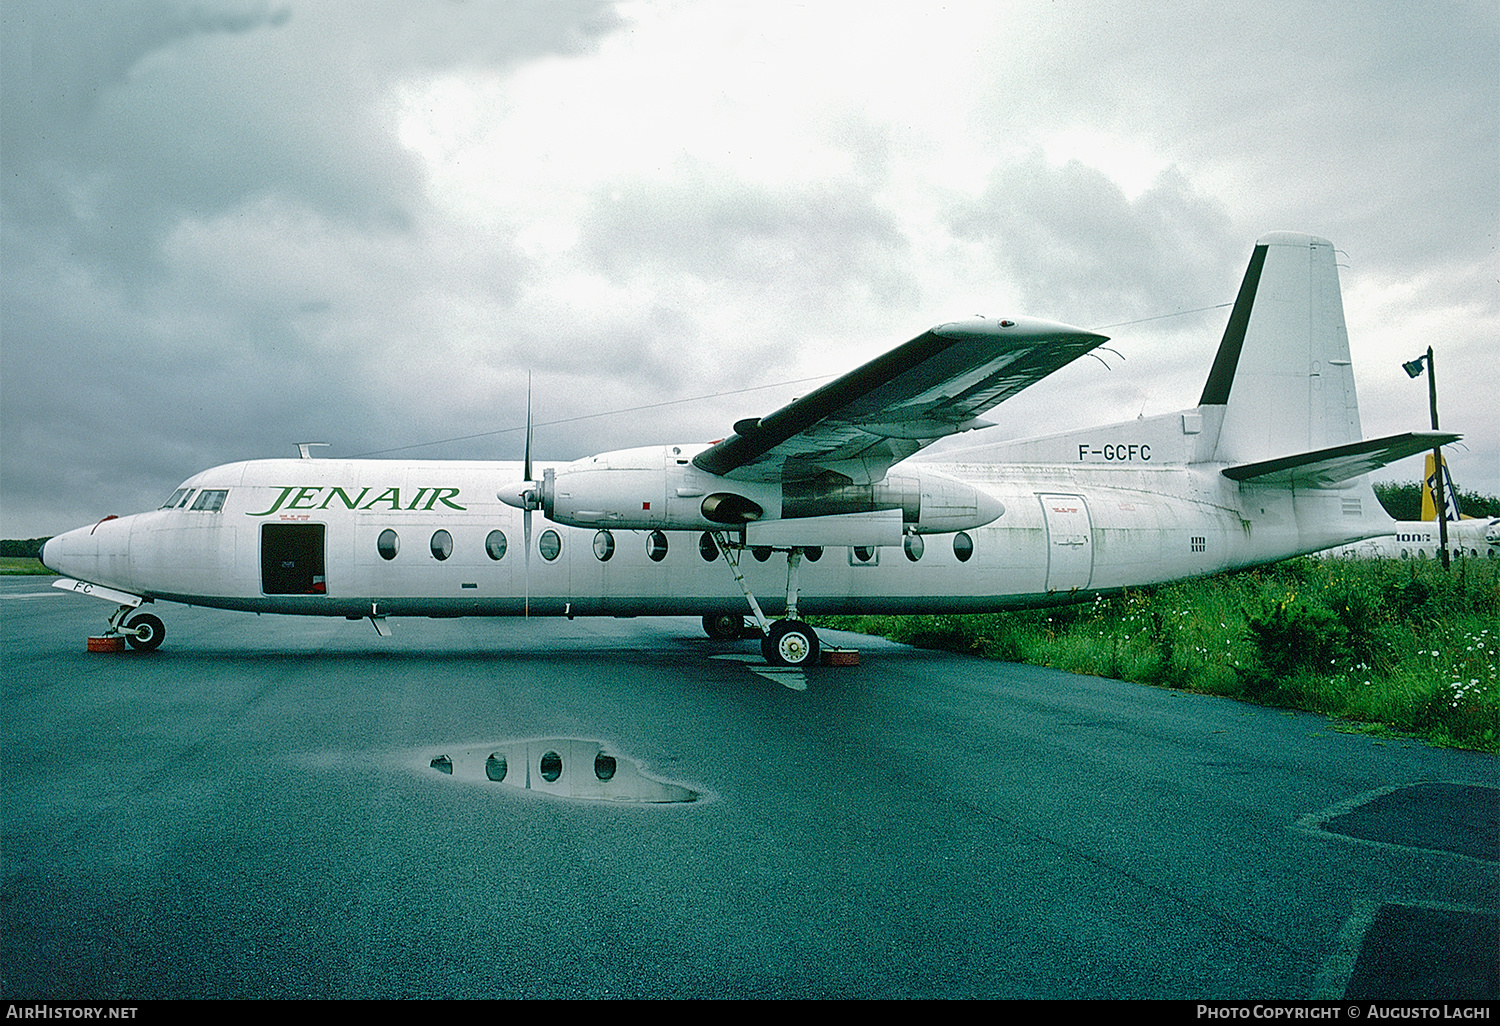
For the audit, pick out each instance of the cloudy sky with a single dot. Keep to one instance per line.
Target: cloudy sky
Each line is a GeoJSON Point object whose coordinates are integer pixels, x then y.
{"type": "Point", "coordinates": [231, 226]}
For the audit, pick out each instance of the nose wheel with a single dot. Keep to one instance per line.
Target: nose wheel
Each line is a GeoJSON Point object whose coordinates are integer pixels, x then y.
{"type": "Point", "coordinates": [145, 633]}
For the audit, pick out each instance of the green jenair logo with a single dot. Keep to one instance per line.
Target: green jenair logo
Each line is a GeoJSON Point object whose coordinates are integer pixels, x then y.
{"type": "Point", "coordinates": [317, 497]}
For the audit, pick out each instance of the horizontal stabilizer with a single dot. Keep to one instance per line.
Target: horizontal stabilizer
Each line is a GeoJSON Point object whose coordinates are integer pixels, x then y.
{"type": "Point", "coordinates": [1323, 467]}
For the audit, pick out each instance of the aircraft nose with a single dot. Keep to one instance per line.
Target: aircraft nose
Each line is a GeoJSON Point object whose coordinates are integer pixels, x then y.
{"type": "Point", "coordinates": [98, 554]}
{"type": "Point", "coordinates": [60, 554]}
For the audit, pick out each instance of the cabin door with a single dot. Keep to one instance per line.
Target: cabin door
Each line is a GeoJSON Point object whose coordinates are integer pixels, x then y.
{"type": "Point", "coordinates": [1070, 542]}
{"type": "Point", "coordinates": [291, 559]}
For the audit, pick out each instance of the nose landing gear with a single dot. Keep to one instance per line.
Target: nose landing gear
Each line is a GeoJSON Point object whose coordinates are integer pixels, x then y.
{"type": "Point", "coordinates": [145, 633]}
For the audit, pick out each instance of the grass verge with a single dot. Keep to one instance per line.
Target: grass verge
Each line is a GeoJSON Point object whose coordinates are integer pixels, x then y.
{"type": "Point", "coordinates": [21, 565]}
{"type": "Point", "coordinates": [1390, 646]}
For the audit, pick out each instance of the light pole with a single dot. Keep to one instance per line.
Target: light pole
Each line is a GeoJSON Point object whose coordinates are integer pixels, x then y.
{"type": "Point", "coordinates": [1440, 487]}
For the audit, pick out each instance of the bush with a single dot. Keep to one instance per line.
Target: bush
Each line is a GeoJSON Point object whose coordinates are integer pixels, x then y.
{"type": "Point", "coordinates": [1289, 636]}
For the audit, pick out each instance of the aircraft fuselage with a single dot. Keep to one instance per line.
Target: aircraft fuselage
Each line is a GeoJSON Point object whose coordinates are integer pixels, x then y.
{"type": "Point", "coordinates": [387, 538]}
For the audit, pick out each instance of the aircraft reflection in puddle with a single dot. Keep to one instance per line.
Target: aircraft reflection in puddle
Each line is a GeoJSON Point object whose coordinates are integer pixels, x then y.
{"type": "Point", "coordinates": [564, 767]}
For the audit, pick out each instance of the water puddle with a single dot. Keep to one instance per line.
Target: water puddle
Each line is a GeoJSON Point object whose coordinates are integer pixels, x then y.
{"type": "Point", "coordinates": [564, 767]}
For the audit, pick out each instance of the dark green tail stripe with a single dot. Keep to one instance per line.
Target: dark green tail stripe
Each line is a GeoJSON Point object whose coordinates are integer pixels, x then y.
{"type": "Point", "coordinates": [1216, 391]}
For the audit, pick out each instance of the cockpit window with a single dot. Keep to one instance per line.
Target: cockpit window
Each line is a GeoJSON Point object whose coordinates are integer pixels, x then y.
{"type": "Point", "coordinates": [211, 500]}
{"type": "Point", "coordinates": [177, 499]}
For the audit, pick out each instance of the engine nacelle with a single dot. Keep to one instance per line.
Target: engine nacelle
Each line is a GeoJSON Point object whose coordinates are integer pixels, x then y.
{"type": "Point", "coordinates": [658, 487]}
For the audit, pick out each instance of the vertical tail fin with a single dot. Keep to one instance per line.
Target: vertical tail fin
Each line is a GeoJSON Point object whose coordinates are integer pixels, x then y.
{"type": "Point", "coordinates": [1430, 488]}
{"type": "Point", "coordinates": [1282, 373]}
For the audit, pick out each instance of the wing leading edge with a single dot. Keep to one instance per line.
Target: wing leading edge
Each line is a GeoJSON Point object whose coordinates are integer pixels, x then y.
{"type": "Point", "coordinates": [935, 385]}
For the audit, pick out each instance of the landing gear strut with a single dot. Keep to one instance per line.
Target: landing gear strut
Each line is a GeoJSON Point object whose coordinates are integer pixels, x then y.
{"type": "Point", "coordinates": [786, 642]}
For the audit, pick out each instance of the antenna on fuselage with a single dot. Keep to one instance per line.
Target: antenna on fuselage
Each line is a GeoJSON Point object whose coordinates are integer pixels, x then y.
{"type": "Point", "coordinates": [305, 448]}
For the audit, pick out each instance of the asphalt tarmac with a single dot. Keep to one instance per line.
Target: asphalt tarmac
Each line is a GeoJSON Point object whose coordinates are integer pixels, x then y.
{"type": "Point", "coordinates": [289, 807]}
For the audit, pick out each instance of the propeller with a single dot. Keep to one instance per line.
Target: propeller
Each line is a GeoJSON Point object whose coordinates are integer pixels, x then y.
{"type": "Point", "coordinates": [531, 502]}
{"type": "Point", "coordinates": [525, 495]}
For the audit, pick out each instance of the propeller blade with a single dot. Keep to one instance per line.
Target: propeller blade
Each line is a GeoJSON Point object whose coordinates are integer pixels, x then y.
{"type": "Point", "coordinates": [526, 511]}
{"type": "Point", "coordinates": [528, 425]}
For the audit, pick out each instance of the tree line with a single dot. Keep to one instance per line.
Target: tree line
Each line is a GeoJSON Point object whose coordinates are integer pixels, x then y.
{"type": "Point", "coordinates": [29, 547]}
{"type": "Point", "coordinates": [1403, 501]}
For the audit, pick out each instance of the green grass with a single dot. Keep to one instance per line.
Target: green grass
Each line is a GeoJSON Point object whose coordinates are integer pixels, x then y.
{"type": "Point", "coordinates": [1391, 647]}
{"type": "Point", "coordinates": [21, 565]}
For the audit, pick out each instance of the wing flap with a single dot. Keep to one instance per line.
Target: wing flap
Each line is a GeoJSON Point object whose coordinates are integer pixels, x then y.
{"type": "Point", "coordinates": [879, 414]}
{"type": "Point", "coordinates": [1324, 467]}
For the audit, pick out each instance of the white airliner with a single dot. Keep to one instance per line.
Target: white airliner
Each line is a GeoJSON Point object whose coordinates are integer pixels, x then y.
{"type": "Point", "coordinates": [1269, 464]}
{"type": "Point", "coordinates": [1468, 537]}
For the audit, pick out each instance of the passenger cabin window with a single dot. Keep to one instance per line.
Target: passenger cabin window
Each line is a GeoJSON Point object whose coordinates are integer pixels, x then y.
{"type": "Point", "coordinates": [388, 544]}
{"type": "Point", "coordinates": [210, 500]}
{"type": "Point", "coordinates": [494, 545]}
{"type": "Point", "coordinates": [656, 546]}
{"type": "Point", "coordinates": [604, 546]}
{"type": "Point", "coordinates": [442, 545]}
{"type": "Point", "coordinates": [963, 546]}
{"type": "Point", "coordinates": [549, 545]}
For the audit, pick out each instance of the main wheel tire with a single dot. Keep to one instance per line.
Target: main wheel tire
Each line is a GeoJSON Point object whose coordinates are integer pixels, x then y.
{"type": "Point", "coordinates": [790, 643]}
{"type": "Point", "coordinates": [149, 633]}
{"type": "Point", "coordinates": [724, 627]}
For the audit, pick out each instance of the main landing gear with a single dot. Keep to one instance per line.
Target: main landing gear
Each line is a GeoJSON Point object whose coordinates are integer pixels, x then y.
{"type": "Point", "coordinates": [790, 643]}
{"type": "Point", "coordinates": [728, 627]}
{"type": "Point", "coordinates": [785, 642]}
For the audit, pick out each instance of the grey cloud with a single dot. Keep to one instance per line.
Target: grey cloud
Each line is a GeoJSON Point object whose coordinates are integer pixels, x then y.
{"type": "Point", "coordinates": [1348, 119]}
{"type": "Point", "coordinates": [1078, 250]}
{"type": "Point", "coordinates": [797, 243]}
{"type": "Point", "coordinates": [207, 215]}
{"type": "Point", "coordinates": [122, 118]}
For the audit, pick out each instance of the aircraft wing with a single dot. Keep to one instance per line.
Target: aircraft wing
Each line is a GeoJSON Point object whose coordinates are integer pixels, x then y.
{"type": "Point", "coordinates": [1325, 467]}
{"type": "Point", "coordinates": [937, 384]}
